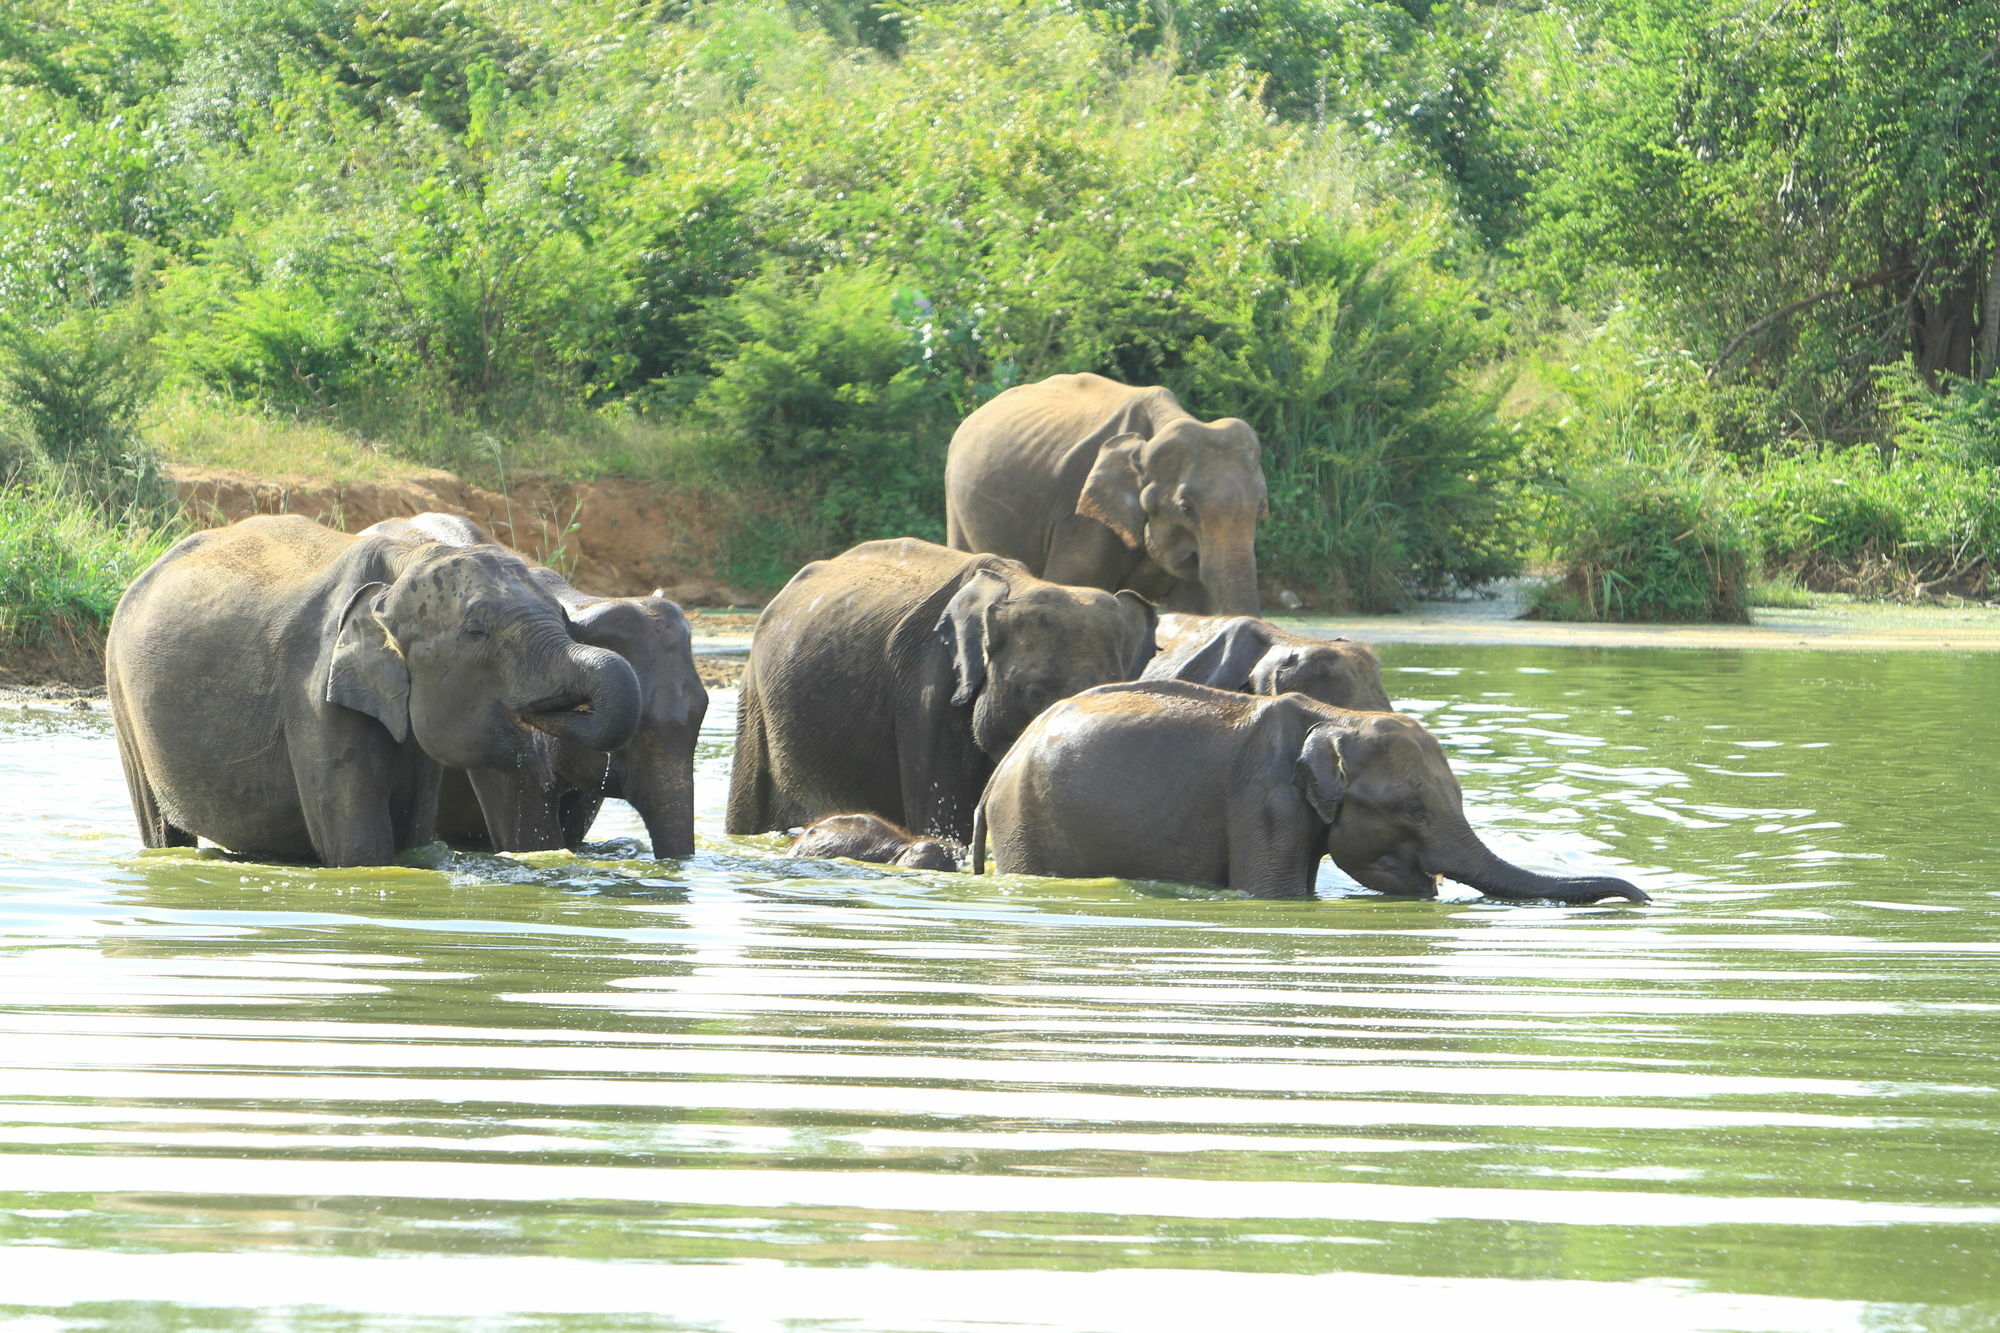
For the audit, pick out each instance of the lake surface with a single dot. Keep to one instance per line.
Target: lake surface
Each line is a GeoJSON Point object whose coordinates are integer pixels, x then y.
{"type": "Point", "coordinates": [744, 1092]}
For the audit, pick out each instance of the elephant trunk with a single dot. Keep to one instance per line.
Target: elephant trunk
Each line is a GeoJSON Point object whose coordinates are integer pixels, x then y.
{"type": "Point", "coordinates": [1469, 861]}
{"type": "Point", "coordinates": [594, 702]}
{"type": "Point", "coordinates": [1229, 572]}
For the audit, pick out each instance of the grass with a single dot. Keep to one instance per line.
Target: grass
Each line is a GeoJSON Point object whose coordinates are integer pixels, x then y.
{"type": "Point", "coordinates": [195, 431]}
{"type": "Point", "coordinates": [63, 567]}
{"type": "Point", "coordinates": [1783, 592]}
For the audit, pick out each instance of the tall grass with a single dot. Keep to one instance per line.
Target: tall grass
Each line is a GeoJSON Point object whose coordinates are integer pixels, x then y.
{"type": "Point", "coordinates": [64, 565]}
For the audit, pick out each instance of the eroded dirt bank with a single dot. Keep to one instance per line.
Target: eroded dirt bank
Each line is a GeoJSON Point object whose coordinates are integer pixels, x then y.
{"type": "Point", "coordinates": [615, 538]}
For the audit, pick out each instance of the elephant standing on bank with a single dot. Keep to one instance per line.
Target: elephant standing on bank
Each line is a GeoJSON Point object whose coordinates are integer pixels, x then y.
{"type": "Point", "coordinates": [290, 691]}
{"type": "Point", "coordinates": [1172, 781]}
{"type": "Point", "coordinates": [1257, 657]}
{"type": "Point", "coordinates": [890, 678]}
{"type": "Point", "coordinates": [1090, 482]}
{"type": "Point", "coordinates": [653, 772]}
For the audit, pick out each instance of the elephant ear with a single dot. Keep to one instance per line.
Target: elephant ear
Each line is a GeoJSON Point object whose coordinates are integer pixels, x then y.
{"type": "Point", "coordinates": [1146, 618]}
{"type": "Point", "coordinates": [1229, 656]}
{"type": "Point", "coordinates": [968, 625]}
{"type": "Point", "coordinates": [1268, 672]}
{"type": "Point", "coordinates": [1320, 770]}
{"type": "Point", "coordinates": [365, 670]}
{"type": "Point", "coordinates": [1111, 491]}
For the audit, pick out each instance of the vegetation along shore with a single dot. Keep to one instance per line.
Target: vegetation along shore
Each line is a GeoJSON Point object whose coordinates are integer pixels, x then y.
{"type": "Point", "coordinates": [1637, 296]}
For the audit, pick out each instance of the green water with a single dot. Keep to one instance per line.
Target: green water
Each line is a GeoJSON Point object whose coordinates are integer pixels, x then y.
{"type": "Point", "coordinates": [750, 1093]}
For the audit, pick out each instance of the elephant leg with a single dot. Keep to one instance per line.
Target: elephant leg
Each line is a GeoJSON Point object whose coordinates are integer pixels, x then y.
{"type": "Point", "coordinates": [155, 830]}
{"type": "Point", "coordinates": [577, 811]}
{"type": "Point", "coordinates": [942, 773]}
{"type": "Point", "coordinates": [520, 809]}
{"type": "Point", "coordinates": [415, 809]}
{"type": "Point", "coordinates": [347, 812]}
{"type": "Point", "coordinates": [1085, 554]}
{"type": "Point", "coordinates": [1275, 842]}
{"type": "Point", "coordinates": [750, 794]}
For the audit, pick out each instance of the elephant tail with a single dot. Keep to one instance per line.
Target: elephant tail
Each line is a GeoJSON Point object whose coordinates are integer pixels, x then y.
{"type": "Point", "coordinates": [979, 837]}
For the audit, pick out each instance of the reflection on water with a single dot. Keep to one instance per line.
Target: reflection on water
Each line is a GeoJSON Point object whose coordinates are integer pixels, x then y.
{"type": "Point", "coordinates": [236, 1095]}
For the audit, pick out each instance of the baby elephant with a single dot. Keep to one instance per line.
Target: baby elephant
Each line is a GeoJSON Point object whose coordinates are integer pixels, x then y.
{"type": "Point", "coordinates": [1167, 780]}
{"type": "Point", "coordinates": [864, 837]}
{"type": "Point", "coordinates": [1254, 656]}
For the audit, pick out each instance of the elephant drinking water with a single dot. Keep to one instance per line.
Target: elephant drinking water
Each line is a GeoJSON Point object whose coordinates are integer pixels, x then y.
{"type": "Point", "coordinates": [1175, 781]}
{"type": "Point", "coordinates": [653, 772]}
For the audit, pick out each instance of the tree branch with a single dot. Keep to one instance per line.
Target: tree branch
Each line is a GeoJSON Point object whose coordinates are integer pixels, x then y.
{"type": "Point", "coordinates": [1875, 279]}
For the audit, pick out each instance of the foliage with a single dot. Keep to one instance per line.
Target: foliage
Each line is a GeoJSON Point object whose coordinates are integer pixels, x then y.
{"type": "Point", "coordinates": [1852, 522]}
{"type": "Point", "coordinates": [64, 564]}
{"type": "Point", "coordinates": [77, 387]}
{"type": "Point", "coordinates": [1477, 271]}
{"type": "Point", "coordinates": [819, 378]}
{"type": "Point", "coordinates": [1804, 191]}
{"type": "Point", "coordinates": [1647, 541]}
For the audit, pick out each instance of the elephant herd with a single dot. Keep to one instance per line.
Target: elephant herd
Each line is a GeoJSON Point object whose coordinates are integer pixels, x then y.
{"type": "Point", "coordinates": [292, 692]}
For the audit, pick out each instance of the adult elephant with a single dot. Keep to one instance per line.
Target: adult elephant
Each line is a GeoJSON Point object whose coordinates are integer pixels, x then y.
{"type": "Point", "coordinates": [1254, 656]}
{"type": "Point", "coordinates": [1174, 781]}
{"type": "Point", "coordinates": [653, 772]}
{"type": "Point", "coordinates": [290, 691]}
{"type": "Point", "coordinates": [890, 678]}
{"type": "Point", "coordinates": [1091, 482]}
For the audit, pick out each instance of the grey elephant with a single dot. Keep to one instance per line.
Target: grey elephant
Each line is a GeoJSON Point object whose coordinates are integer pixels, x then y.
{"type": "Point", "coordinates": [1091, 482]}
{"type": "Point", "coordinates": [290, 691]}
{"type": "Point", "coordinates": [1173, 781]}
{"type": "Point", "coordinates": [1257, 657]}
{"type": "Point", "coordinates": [891, 677]}
{"type": "Point", "coordinates": [865, 837]}
{"type": "Point", "coordinates": [653, 772]}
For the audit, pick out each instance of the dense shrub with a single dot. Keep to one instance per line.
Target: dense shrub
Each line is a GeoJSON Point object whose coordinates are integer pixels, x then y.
{"type": "Point", "coordinates": [76, 388]}
{"type": "Point", "coordinates": [64, 565]}
{"type": "Point", "coordinates": [1644, 541]}
{"type": "Point", "coordinates": [1850, 521]}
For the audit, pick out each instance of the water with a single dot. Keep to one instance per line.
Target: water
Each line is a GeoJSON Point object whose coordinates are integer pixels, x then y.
{"type": "Point", "coordinates": [751, 1093]}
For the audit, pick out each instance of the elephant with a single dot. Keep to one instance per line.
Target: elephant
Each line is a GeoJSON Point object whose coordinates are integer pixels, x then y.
{"type": "Point", "coordinates": [1099, 484]}
{"type": "Point", "coordinates": [865, 837]}
{"type": "Point", "coordinates": [1170, 780]}
{"type": "Point", "coordinates": [1257, 657]}
{"type": "Point", "coordinates": [653, 772]}
{"type": "Point", "coordinates": [889, 679]}
{"type": "Point", "coordinates": [291, 692]}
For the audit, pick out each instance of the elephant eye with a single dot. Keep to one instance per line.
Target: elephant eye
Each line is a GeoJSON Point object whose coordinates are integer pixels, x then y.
{"type": "Point", "coordinates": [1185, 505]}
{"type": "Point", "coordinates": [475, 632]}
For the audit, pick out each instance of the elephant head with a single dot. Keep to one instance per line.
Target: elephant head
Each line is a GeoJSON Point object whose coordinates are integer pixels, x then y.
{"type": "Point", "coordinates": [466, 653]}
{"type": "Point", "coordinates": [1019, 644]}
{"type": "Point", "coordinates": [1338, 671]}
{"type": "Point", "coordinates": [1190, 497]}
{"type": "Point", "coordinates": [654, 771]}
{"type": "Point", "coordinates": [1251, 655]}
{"type": "Point", "coordinates": [1396, 817]}
{"type": "Point", "coordinates": [927, 854]}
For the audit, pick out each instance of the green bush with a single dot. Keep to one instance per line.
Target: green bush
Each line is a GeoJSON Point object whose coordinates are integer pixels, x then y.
{"type": "Point", "coordinates": [77, 387]}
{"type": "Point", "coordinates": [1849, 521]}
{"type": "Point", "coordinates": [1643, 541]}
{"type": "Point", "coordinates": [64, 565]}
{"type": "Point", "coordinates": [825, 389]}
